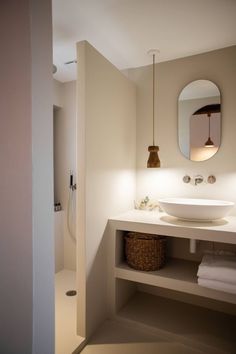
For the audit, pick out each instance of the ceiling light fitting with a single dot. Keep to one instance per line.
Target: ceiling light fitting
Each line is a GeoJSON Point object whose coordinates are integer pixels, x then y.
{"type": "Point", "coordinates": [153, 160]}
{"type": "Point", "coordinates": [54, 69]}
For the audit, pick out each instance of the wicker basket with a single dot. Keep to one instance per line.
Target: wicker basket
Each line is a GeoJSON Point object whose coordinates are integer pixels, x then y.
{"type": "Point", "coordinates": [145, 251]}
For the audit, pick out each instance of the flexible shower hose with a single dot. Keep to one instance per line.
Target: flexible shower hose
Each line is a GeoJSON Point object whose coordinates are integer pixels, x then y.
{"type": "Point", "coordinates": [70, 208]}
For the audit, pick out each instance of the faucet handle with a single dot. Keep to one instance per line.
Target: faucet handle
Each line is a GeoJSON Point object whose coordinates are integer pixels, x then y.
{"type": "Point", "coordinates": [186, 179]}
{"type": "Point", "coordinates": [211, 179]}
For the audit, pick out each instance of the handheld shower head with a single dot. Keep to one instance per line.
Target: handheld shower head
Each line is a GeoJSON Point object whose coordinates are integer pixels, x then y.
{"type": "Point", "coordinates": [72, 184]}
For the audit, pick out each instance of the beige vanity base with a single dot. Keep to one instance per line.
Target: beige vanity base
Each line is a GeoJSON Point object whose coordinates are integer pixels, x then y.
{"type": "Point", "coordinates": [175, 318]}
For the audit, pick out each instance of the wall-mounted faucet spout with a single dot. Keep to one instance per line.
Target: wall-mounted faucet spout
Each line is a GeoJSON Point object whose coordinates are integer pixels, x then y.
{"type": "Point", "coordinates": [198, 179]}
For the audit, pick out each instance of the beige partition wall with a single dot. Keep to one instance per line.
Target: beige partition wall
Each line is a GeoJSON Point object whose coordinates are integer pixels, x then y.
{"type": "Point", "coordinates": [26, 182]}
{"type": "Point", "coordinates": [106, 136]}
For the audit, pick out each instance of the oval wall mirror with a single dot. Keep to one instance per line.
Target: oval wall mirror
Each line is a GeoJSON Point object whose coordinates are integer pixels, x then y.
{"type": "Point", "coordinates": [199, 120]}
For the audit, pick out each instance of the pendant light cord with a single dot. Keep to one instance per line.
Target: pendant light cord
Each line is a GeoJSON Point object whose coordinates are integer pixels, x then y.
{"type": "Point", "coordinates": [209, 125]}
{"type": "Point", "coordinates": [153, 98]}
{"type": "Point", "coordinates": [153, 159]}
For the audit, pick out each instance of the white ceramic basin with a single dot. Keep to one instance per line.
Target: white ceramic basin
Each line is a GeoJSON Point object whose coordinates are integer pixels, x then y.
{"type": "Point", "coordinates": [196, 209]}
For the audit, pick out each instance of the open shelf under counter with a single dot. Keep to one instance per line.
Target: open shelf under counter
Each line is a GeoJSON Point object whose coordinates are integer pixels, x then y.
{"type": "Point", "coordinates": [223, 230]}
{"type": "Point", "coordinates": [207, 331]}
{"type": "Point", "coordinates": [178, 274]}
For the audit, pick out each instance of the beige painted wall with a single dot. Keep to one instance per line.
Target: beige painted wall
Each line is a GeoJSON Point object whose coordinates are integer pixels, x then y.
{"type": "Point", "coordinates": [217, 66]}
{"type": "Point", "coordinates": [26, 250]}
{"type": "Point", "coordinates": [106, 173]}
{"type": "Point", "coordinates": [59, 217]}
{"type": "Point", "coordinates": [65, 160]}
{"type": "Point", "coordinates": [58, 93]}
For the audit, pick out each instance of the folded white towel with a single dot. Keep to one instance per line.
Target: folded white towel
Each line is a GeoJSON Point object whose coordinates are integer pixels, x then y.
{"type": "Point", "coordinates": [217, 285]}
{"type": "Point", "coordinates": [218, 267]}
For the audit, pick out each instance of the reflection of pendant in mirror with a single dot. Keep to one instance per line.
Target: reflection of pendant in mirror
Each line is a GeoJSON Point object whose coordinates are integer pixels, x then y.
{"type": "Point", "coordinates": [199, 120]}
{"type": "Point", "coordinates": [209, 142]}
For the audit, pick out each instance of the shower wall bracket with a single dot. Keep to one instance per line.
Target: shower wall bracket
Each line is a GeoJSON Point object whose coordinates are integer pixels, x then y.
{"type": "Point", "coordinates": [72, 184]}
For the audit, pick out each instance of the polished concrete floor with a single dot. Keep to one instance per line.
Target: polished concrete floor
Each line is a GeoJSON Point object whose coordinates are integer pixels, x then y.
{"type": "Point", "coordinates": [149, 324]}
{"type": "Point", "coordinates": [114, 337]}
{"type": "Point", "coordinates": [66, 340]}
{"type": "Point", "coordinates": [166, 326]}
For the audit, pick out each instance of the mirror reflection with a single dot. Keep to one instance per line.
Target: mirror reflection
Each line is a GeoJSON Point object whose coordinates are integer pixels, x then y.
{"type": "Point", "coordinates": [199, 120]}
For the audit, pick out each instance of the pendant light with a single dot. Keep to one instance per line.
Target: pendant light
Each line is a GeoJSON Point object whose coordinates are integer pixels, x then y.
{"type": "Point", "coordinates": [209, 142]}
{"type": "Point", "coordinates": [153, 160]}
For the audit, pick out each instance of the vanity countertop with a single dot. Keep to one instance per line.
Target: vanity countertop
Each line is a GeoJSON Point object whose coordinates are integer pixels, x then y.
{"type": "Point", "coordinates": [222, 230]}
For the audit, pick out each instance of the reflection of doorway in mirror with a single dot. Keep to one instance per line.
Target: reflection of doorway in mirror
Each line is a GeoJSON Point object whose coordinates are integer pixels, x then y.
{"type": "Point", "coordinates": [199, 133]}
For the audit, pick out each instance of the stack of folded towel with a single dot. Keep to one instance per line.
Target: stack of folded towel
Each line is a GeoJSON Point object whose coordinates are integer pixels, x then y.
{"type": "Point", "coordinates": [218, 271]}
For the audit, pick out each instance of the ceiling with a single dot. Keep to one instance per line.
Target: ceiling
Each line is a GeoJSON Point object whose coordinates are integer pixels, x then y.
{"type": "Point", "coordinates": [124, 30]}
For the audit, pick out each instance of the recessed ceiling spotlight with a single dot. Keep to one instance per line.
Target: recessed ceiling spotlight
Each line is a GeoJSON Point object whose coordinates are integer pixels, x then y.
{"type": "Point", "coordinates": [54, 69]}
